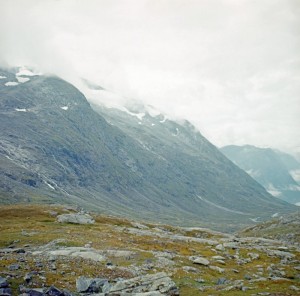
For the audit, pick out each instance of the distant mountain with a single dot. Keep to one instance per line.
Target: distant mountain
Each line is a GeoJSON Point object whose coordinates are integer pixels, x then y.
{"type": "Point", "coordinates": [278, 172]}
{"type": "Point", "coordinates": [55, 148]}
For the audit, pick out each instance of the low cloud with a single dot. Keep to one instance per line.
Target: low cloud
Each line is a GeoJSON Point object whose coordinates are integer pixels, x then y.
{"type": "Point", "coordinates": [230, 67]}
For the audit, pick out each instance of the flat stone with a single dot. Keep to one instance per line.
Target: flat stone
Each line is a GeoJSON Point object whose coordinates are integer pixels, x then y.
{"type": "Point", "coordinates": [76, 218]}
{"type": "Point", "coordinates": [190, 269]}
{"type": "Point", "coordinates": [85, 253]}
{"type": "Point", "coordinates": [217, 268]}
{"type": "Point", "coordinates": [199, 260]}
{"type": "Point", "coordinates": [158, 282]}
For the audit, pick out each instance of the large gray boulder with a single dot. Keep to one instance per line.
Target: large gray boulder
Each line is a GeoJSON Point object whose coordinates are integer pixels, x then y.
{"type": "Point", "coordinates": [76, 218]}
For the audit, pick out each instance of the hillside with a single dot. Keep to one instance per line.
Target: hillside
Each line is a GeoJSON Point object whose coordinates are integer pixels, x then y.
{"type": "Point", "coordinates": [273, 169]}
{"type": "Point", "coordinates": [285, 228]}
{"type": "Point", "coordinates": [112, 254]}
{"type": "Point", "coordinates": [56, 148]}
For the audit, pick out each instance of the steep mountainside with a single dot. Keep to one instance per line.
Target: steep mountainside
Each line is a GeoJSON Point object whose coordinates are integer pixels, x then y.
{"type": "Point", "coordinates": [220, 187]}
{"type": "Point", "coordinates": [271, 168]}
{"type": "Point", "coordinates": [54, 147]}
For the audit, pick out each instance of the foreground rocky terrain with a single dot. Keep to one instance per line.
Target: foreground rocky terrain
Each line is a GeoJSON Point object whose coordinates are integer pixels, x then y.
{"type": "Point", "coordinates": [56, 250]}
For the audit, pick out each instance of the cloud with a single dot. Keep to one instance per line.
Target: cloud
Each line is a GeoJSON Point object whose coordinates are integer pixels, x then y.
{"type": "Point", "coordinates": [230, 67]}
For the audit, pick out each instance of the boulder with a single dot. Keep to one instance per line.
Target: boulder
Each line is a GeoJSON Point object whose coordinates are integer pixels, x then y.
{"type": "Point", "coordinates": [76, 218]}
{"type": "Point", "coordinates": [199, 260]}
{"type": "Point", "coordinates": [153, 283]}
{"type": "Point", "coordinates": [3, 282]}
{"type": "Point", "coordinates": [92, 285]}
{"type": "Point", "coordinates": [5, 292]}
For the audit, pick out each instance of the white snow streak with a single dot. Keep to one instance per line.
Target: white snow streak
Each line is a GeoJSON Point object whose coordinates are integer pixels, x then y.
{"type": "Point", "coordinates": [11, 83]}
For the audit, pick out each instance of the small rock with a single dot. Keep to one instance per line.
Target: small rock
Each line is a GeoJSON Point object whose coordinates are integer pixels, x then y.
{"type": "Point", "coordinates": [217, 268]}
{"type": "Point", "coordinates": [199, 260]}
{"type": "Point", "coordinates": [92, 285]}
{"type": "Point", "coordinates": [253, 256]}
{"type": "Point", "coordinates": [14, 267]}
{"type": "Point", "coordinates": [221, 281]}
{"type": "Point", "coordinates": [3, 282]}
{"type": "Point", "coordinates": [220, 247]}
{"type": "Point", "coordinates": [28, 277]}
{"type": "Point", "coordinates": [200, 280]}
{"type": "Point", "coordinates": [294, 288]}
{"type": "Point", "coordinates": [247, 277]}
{"type": "Point", "coordinates": [218, 257]}
{"type": "Point", "coordinates": [190, 269]}
{"type": "Point", "coordinates": [5, 292]}
{"type": "Point", "coordinates": [53, 291]}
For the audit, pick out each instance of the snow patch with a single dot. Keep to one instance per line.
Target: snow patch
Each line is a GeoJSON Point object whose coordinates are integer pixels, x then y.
{"type": "Point", "coordinates": [11, 83]}
{"type": "Point", "coordinates": [138, 115]}
{"type": "Point", "coordinates": [22, 79]}
{"type": "Point", "coordinates": [297, 204]}
{"type": "Point", "coordinates": [164, 120]}
{"type": "Point", "coordinates": [23, 71]}
{"type": "Point", "coordinates": [3, 77]}
{"type": "Point", "coordinates": [254, 219]}
{"type": "Point", "coordinates": [21, 110]}
{"type": "Point", "coordinates": [64, 107]}
{"type": "Point", "coordinates": [273, 191]}
{"type": "Point", "coordinates": [275, 215]}
{"type": "Point", "coordinates": [140, 122]}
{"type": "Point", "coordinates": [153, 124]}
{"type": "Point", "coordinates": [254, 174]}
{"type": "Point", "coordinates": [49, 185]}
{"type": "Point", "coordinates": [296, 175]}
{"type": "Point", "coordinates": [177, 132]}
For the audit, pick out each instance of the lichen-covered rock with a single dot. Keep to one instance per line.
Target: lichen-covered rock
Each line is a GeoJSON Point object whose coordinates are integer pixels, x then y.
{"type": "Point", "coordinates": [159, 282]}
{"type": "Point", "coordinates": [77, 218]}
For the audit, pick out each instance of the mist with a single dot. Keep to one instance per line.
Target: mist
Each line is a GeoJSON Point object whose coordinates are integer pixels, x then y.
{"type": "Point", "coordinates": [231, 67]}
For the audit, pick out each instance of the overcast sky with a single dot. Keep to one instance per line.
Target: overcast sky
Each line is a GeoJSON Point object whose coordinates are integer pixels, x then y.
{"type": "Point", "coordinates": [231, 67]}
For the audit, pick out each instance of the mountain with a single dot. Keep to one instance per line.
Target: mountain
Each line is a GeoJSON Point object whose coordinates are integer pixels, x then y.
{"type": "Point", "coordinates": [56, 148]}
{"type": "Point", "coordinates": [275, 170]}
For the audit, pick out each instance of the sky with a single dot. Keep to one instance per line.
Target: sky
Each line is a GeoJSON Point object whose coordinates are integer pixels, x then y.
{"type": "Point", "coordinates": [231, 67]}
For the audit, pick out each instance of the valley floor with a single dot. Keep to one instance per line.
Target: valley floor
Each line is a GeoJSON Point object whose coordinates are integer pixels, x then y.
{"type": "Point", "coordinates": [36, 251]}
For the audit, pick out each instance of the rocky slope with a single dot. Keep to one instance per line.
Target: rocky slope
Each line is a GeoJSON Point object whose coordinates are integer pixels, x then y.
{"type": "Point", "coordinates": [41, 253]}
{"type": "Point", "coordinates": [278, 172]}
{"type": "Point", "coordinates": [285, 228]}
{"type": "Point", "coordinates": [55, 148]}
